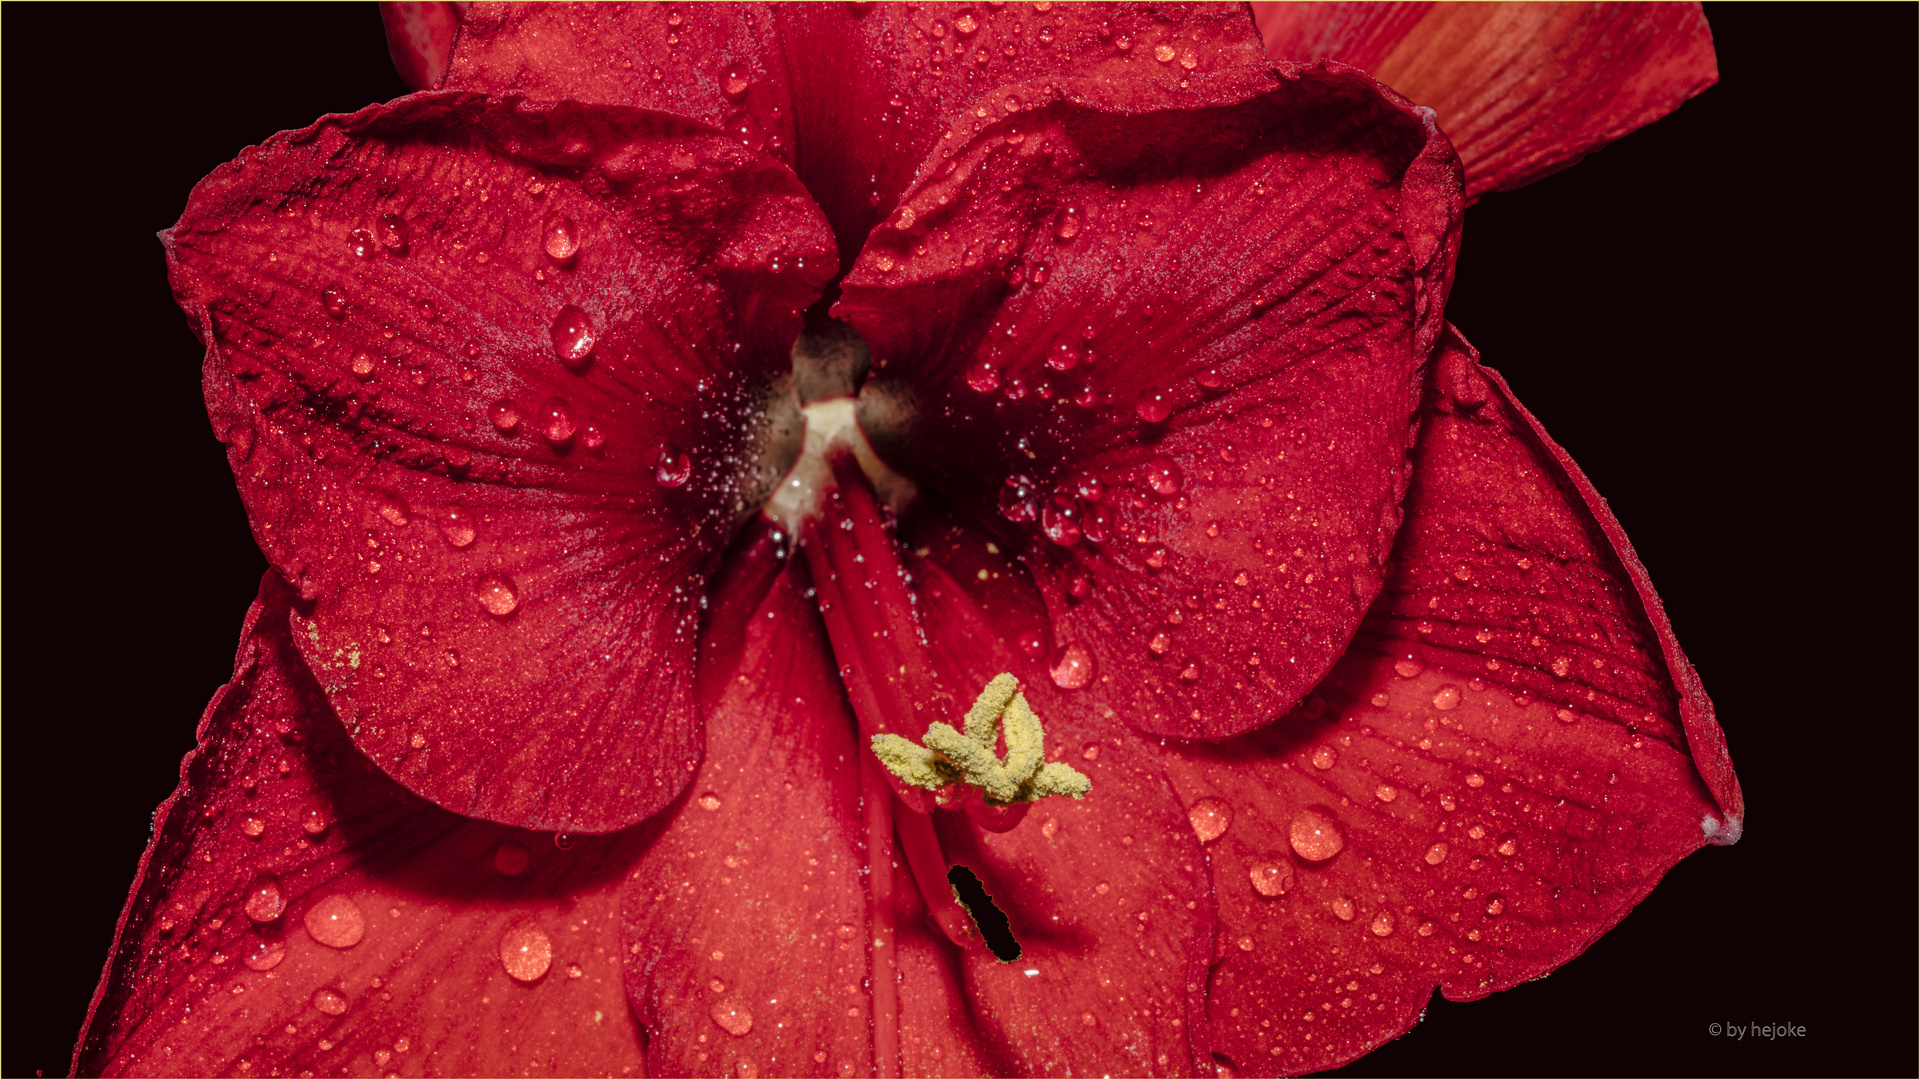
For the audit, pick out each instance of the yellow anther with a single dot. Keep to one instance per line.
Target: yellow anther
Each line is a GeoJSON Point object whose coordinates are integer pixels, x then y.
{"type": "Point", "coordinates": [1023, 776]}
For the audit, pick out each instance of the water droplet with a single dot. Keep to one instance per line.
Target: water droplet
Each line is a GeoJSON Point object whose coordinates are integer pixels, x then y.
{"type": "Point", "coordinates": [498, 595]}
{"type": "Point", "coordinates": [1409, 664]}
{"type": "Point", "coordinates": [1324, 757]}
{"type": "Point", "coordinates": [563, 841]}
{"type": "Point", "coordinates": [526, 952]}
{"type": "Point", "coordinates": [314, 821]}
{"type": "Point", "coordinates": [511, 858]}
{"type": "Point", "coordinates": [966, 24]}
{"type": "Point", "coordinates": [562, 239]}
{"type": "Point", "coordinates": [575, 971]}
{"type": "Point", "coordinates": [732, 1016]}
{"type": "Point", "coordinates": [1072, 666]}
{"type": "Point", "coordinates": [253, 827]}
{"type": "Point", "coordinates": [671, 467]}
{"type": "Point", "coordinates": [1271, 876]}
{"type": "Point", "coordinates": [1475, 780]}
{"type": "Point", "coordinates": [266, 900]}
{"type": "Point", "coordinates": [1447, 698]}
{"type": "Point", "coordinates": [1436, 854]}
{"type": "Point", "coordinates": [1019, 499]}
{"type": "Point", "coordinates": [1033, 644]}
{"type": "Point", "coordinates": [456, 525]}
{"type": "Point", "coordinates": [335, 302]}
{"type": "Point", "coordinates": [1156, 558]}
{"type": "Point", "coordinates": [983, 377]}
{"type": "Point", "coordinates": [336, 922]}
{"type": "Point", "coordinates": [1315, 835]}
{"type": "Point", "coordinates": [1159, 643]}
{"type": "Point", "coordinates": [1163, 53]}
{"type": "Point", "coordinates": [1496, 904]}
{"type": "Point", "coordinates": [264, 955]}
{"type": "Point", "coordinates": [1189, 60]}
{"type": "Point", "coordinates": [1386, 793]}
{"type": "Point", "coordinates": [709, 801]}
{"type": "Point", "coordinates": [573, 337]}
{"type": "Point", "coordinates": [361, 366]}
{"type": "Point", "coordinates": [1382, 924]}
{"type": "Point", "coordinates": [592, 437]}
{"type": "Point", "coordinates": [734, 85]}
{"type": "Point", "coordinates": [393, 232]}
{"type": "Point", "coordinates": [1060, 521]}
{"type": "Point", "coordinates": [504, 414]}
{"type": "Point", "coordinates": [1210, 818]}
{"type": "Point", "coordinates": [1123, 43]}
{"type": "Point", "coordinates": [1342, 907]}
{"type": "Point", "coordinates": [1091, 752]}
{"type": "Point", "coordinates": [331, 1002]}
{"type": "Point", "coordinates": [1566, 716]}
{"type": "Point", "coordinates": [360, 242]}
{"type": "Point", "coordinates": [1153, 407]}
{"type": "Point", "coordinates": [1164, 476]}
{"type": "Point", "coordinates": [1066, 224]}
{"type": "Point", "coordinates": [1102, 889]}
{"type": "Point", "coordinates": [556, 421]}
{"type": "Point", "coordinates": [1509, 844]}
{"type": "Point", "coordinates": [845, 931]}
{"type": "Point", "coordinates": [392, 508]}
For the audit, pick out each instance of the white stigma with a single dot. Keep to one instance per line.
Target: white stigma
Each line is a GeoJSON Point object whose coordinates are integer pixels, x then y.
{"type": "Point", "coordinates": [831, 426]}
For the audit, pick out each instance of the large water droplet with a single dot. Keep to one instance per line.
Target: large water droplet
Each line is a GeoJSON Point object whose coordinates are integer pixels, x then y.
{"type": "Point", "coordinates": [1409, 664]}
{"type": "Point", "coordinates": [709, 801]}
{"type": "Point", "coordinates": [266, 900]}
{"type": "Point", "coordinates": [393, 233]}
{"type": "Point", "coordinates": [511, 858]}
{"type": "Point", "coordinates": [1382, 924]}
{"type": "Point", "coordinates": [1315, 835]}
{"type": "Point", "coordinates": [1153, 407]}
{"type": "Point", "coordinates": [672, 467]}
{"type": "Point", "coordinates": [1210, 818]}
{"type": "Point", "coordinates": [1164, 475]}
{"type": "Point", "coordinates": [573, 337]}
{"type": "Point", "coordinates": [562, 238]}
{"type": "Point", "coordinates": [1072, 666]}
{"type": "Point", "coordinates": [556, 421]}
{"type": "Point", "coordinates": [360, 242]}
{"type": "Point", "coordinates": [1509, 844]}
{"type": "Point", "coordinates": [732, 1016]}
{"type": "Point", "coordinates": [735, 85]}
{"type": "Point", "coordinates": [314, 821]}
{"type": "Point", "coordinates": [1019, 499]}
{"type": "Point", "coordinates": [1436, 854]}
{"type": "Point", "coordinates": [966, 24]}
{"type": "Point", "coordinates": [1066, 224]}
{"type": "Point", "coordinates": [1271, 876]}
{"type": "Point", "coordinates": [498, 595]}
{"type": "Point", "coordinates": [1342, 908]}
{"type": "Point", "coordinates": [983, 377]}
{"type": "Point", "coordinates": [1324, 757]}
{"type": "Point", "coordinates": [331, 1002]}
{"type": "Point", "coordinates": [1447, 698]}
{"type": "Point", "coordinates": [336, 921]}
{"type": "Point", "coordinates": [335, 302]}
{"type": "Point", "coordinates": [456, 524]}
{"type": "Point", "coordinates": [1060, 521]}
{"type": "Point", "coordinates": [504, 415]}
{"type": "Point", "coordinates": [526, 952]}
{"type": "Point", "coordinates": [261, 954]}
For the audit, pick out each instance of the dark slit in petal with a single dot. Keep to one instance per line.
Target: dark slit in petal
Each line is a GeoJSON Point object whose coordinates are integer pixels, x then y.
{"type": "Point", "coordinates": [987, 916]}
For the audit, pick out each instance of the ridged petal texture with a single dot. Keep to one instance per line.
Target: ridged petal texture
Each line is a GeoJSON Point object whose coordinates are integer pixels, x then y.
{"type": "Point", "coordinates": [1509, 757]}
{"type": "Point", "coordinates": [801, 81]}
{"type": "Point", "coordinates": [1171, 367]}
{"type": "Point", "coordinates": [298, 911]}
{"type": "Point", "coordinates": [492, 379]}
{"type": "Point", "coordinates": [1522, 89]}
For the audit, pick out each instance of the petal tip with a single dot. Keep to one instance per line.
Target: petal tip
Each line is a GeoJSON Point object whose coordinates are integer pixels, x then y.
{"type": "Point", "coordinates": [1723, 833]}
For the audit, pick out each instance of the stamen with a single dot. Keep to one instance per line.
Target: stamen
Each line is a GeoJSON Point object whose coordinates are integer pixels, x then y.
{"type": "Point", "coordinates": [949, 756]}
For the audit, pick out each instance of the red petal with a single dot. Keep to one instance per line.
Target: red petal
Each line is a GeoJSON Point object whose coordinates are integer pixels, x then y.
{"type": "Point", "coordinates": [1511, 755]}
{"type": "Point", "coordinates": [503, 533]}
{"type": "Point", "coordinates": [1220, 316]}
{"type": "Point", "coordinates": [853, 95]}
{"type": "Point", "coordinates": [1106, 895]}
{"type": "Point", "coordinates": [419, 38]}
{"type": "Point", "coordinates": [297, 910]}
{"type": "Point", "coordinates": [747, 924]}
{"type": "Point", "coordinates": [1523, 90]}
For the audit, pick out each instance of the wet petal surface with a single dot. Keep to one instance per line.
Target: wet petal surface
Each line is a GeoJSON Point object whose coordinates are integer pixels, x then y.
{"type": "Point", "coordinates": [1171, 367]}
{"type": "Point", "coordinates": [1498, 770]}
{"type": "Point", "coordinates": [298, 910]}
{"type": "Point", "coordinates": [494, 382]}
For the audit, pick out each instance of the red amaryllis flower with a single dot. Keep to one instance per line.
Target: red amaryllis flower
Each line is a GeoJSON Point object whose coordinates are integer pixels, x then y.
{"type": "Point", "coordinates": [548, 742]}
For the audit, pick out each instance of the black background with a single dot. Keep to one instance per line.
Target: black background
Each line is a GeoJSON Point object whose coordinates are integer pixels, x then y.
{"type": "Point", "coordinates": [1716, 316]}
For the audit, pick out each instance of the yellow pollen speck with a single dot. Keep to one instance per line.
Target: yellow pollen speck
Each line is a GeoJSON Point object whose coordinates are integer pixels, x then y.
{"type": "Point", "coordinates": [950, 755]}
